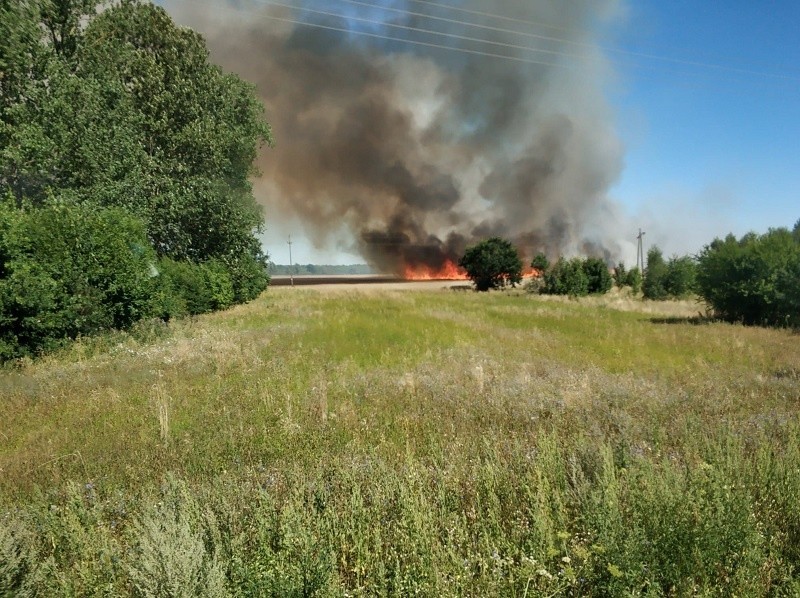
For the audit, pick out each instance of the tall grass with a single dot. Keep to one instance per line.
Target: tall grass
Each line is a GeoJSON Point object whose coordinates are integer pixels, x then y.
{"type": "Point", "coordinates": [395, 443]}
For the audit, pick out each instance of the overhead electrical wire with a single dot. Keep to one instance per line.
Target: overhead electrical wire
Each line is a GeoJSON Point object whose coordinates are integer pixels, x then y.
{"type": "Point", "coordinates": [415, 42]}
{"type": "Point", "coordinates": [572, 42]}
{"type": "Point", "coordinates": [519, 59]}
{"type": "Point", "coordinates": [421, 30]}
{"type": "Point", "coordinates": [491, 15]}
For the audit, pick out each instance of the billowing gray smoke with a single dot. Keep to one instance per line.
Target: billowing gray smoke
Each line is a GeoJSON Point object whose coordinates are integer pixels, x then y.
{"type": "Point", "coordinates": [418, 151]}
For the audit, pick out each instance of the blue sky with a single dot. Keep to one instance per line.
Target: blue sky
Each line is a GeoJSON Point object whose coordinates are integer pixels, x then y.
{"type": "Point", "coordinates": [708, 149]}
{"type": "Point", "coordinates": [719, 145]}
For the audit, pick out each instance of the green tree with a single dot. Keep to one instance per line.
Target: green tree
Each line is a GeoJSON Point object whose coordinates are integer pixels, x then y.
{"type": "Point", "coordinates": [129, 112]}
{"type": "Point", "coordinates": [492, 263]}
{"type": "Point", "coordinates": [20, 52]}
{"type": "Point", "coordinates": [599, 278]}
{"type": "Point", "coordinates": [633, 279]}
{"type": "Point", "coordinates": [680, 277]}
{"type": "Point", "coordinates": [567, 277]}
{"type": "Point", "coordinates": [753, 280]}
{"type": "Point", "coordinates": [620, 275]}
{"type": "Point", "coordinates": [655, 275]}
{"type": "Point", "coordinates": [540, 262]}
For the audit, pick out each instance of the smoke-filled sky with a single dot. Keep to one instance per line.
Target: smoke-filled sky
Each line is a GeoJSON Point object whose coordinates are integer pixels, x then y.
{"type": "Point", "coordinates": [542, 121]}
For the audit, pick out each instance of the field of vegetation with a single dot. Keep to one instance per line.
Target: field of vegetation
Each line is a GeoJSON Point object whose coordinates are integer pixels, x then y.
{"type": "Point", "coordinates": [378, 442]}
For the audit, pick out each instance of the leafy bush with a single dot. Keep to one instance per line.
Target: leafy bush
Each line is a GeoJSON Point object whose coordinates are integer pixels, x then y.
{"type": "Point", "coordinates": [171, 556]}
{"type": "Point", "coordinates": [70, 270]}
{"type": "Point", "coordinates": [17, 559]}
{"type": "Point", "coordinates": [681, 275]}
{"type": "Point", "coordinates": [249, 274]}
{"type": "Point", "coordinates": [567, 277]}
{"type": "Point", "coordinates": [597, 273]}
{"type": "Point", "coordinates": [633, 279]}
{"type": "Point", "coordinates": [753, 280]}
{"type": "Point", "coordinates": [492, 263]}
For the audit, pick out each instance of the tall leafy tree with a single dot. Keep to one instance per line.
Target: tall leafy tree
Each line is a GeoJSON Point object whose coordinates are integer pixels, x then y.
{"type": "Point", "coordinates": [655, 276]}
{"type": "Point", "coordinates": [131, 113]}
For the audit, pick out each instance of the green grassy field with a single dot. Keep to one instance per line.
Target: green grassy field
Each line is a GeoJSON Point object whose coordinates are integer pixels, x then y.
{"type": "Point", "coordinates": [384, 442]}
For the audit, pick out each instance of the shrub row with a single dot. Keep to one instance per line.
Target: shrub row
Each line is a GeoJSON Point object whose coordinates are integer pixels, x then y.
{"type": "Point", "coordinates": [577, 277]}
{"type": "Point", "coordinates": [70, 270]}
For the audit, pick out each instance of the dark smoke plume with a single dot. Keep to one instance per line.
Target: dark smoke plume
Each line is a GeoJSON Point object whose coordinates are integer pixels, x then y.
{"type": "Point", "coordinates": [419, 151]}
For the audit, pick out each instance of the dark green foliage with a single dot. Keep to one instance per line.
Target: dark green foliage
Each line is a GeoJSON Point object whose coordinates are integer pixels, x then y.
{"type": "Point", "coordinates": [597, 273]}
{"type": "Point", "coordinates": [139, 118]}
{"type": "Point", "coordinates": [540, 262]}
{"type": "Point", "coordinates": [668, 279]}
{"type": "Point", "coordinates": [633, 279]}
{"type": "Point", "coordinates": [249, 274]}
{"type": "Point", "coordinates": [620, 275]}
{"type": "Point", "coordinates": [492, 263]}
{"type": "Point", "coordinates": [567, 277]}
{"type": "Point", "coordinates": [70, 270]}
{"type": "Point", "coordinates": [111, 105]}
{"type": "Point", "coordinates": [681, 275]}
{"type": "Point", "coordinates": [193, 289]}
{"type": "Point", "coordinates": [754, 280]}
{"type": "Point", "coordinates": [655, 276]}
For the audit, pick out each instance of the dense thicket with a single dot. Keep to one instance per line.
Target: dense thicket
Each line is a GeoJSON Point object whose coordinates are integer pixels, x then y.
{"type": "Point", "coordinates": [577, 277]}
{"type": "Point", "coordinates": [67, 271]}
{"type": "Point", "coordinates": [669, 279]}
{"type": "Point", "coordinates": [120, 109]}
{"type": "Point", "coordinates": [755, 279]}
{"type": "Point", "coordinates": [566, 277]}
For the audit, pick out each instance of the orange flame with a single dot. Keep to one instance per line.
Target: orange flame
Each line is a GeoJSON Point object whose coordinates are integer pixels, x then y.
{"type": "Point", "coordinates": [448, 271]}
{"type": "Point", "coordinates": [451, 271]}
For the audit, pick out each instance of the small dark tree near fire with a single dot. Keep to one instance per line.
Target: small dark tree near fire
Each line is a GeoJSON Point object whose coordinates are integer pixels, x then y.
{"type": "Point", "coordinates": [492, 263]}
{"type": "Point", "coordinates": [540, 263]}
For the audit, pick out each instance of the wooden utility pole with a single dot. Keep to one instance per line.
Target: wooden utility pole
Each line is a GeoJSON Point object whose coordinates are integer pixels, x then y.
{"type": "Point", "coordinates": [640, 251]}
{"type": "Point", "coordinates": [291, 274]}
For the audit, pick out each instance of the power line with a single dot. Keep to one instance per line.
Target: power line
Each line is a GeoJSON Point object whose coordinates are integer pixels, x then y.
{"type": "Point", "coordinates": [405, 40]}
{"type": "Point", "coordinates": [576, 43]}
{"type": "Point", "coordinates": [492, 15]}
{"type": "Point", "coordinates": [415, 42]}
{"type": "Point", "coordinates": [518, 59]}
{"type": "Point", "coordinates": [421, 30]}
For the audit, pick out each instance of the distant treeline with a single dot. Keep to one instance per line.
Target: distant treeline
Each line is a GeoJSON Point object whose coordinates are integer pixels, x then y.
{"type": "Point", "coordinates": [754, 279]}
{"type": "Point", "coordinates": [319, 270]}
